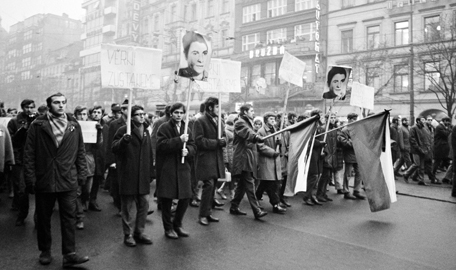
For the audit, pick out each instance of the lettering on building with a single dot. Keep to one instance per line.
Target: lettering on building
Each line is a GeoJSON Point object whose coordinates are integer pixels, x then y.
{"type": "Point", "coordinates": [266, 51]}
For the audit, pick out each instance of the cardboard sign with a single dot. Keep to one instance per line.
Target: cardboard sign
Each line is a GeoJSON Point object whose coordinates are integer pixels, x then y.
{"type": "Point", "coordinates": [130, 67]}
{"type": "Point", "coordinates": [362, 96]}
{"type": "Point", "coordinates": [225, 77]}
{"type": "Point", "coordinates": [292, 69]}
{"type": "Point", "coordinates": [89, 131]}
{"type": "Point", "coordinates": [336, 82]}
{"type": "Point", "coordinates": [195, 56]}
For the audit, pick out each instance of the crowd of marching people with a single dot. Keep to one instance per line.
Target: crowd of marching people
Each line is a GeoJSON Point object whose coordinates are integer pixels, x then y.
{"type": "Point", "coordinates": [43, 153]}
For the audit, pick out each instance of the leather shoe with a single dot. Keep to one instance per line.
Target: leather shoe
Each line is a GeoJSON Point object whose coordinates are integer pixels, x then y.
{"type": "Point", "coordinates": [237, 211]}
{"type": "Point", "coordinates": [436, 182]}
{"type": "Point", "coordinates": [260, 214]}
{"type": "Point", "coordinates": [212, 219]}
{"type": "Point", "coordinates": [73, 259]}
{"type": "Point", "coordinates": [171, 234]}
{"type": "Point", "coordinates": [45, 257]}
{"type": "Point", "coordinates": [80, 225]}
{"type": "Point", "coordinates": [406, 178]}
{"type": "Point", "coordinates": [340, 191]}
{"type": "Point", "coordinates": [349, 196]}
{"type": "Point", "coordinates": [315, 201]}
{"type": "Point", "coordinates": [321, 199]}
{"type": "Point", "coordinates": [216, 203]}
{"type": "Point", "coordinates": [359, 196]}
{"type": "Point", "coordinates": [143, 239]}
{"type": "Point", "coordinates": [308, 201]}
{"type": "Point", "coordinates": [203, 221]}
{"type": "Point", "coordinates": [279, 210]}
{"type": "Point", "coordinates": [328, 199]}
{"type": "Point", "coordinates": [194, 203]}
{"type": "Point", "coordinates": [445, 180]}
{"type": "Point", "coordinates": [285, 202]}
{"type": "Point", "coordinates": [421, 183]}
{"type": "Point", "coordinates": [129, 241]}
{"type": "Point", "coordinates": [181, 232]}
{"type": "Point", "coordinates": [150, 212]}
{"type": "Point", "coordinates": [94, 207]}
{"type": "Point", "coordinates": [220, 193]}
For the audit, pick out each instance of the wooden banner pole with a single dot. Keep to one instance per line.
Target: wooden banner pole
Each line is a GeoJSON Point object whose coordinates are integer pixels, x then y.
{"type": "Point", "coordinates": [189, 90]}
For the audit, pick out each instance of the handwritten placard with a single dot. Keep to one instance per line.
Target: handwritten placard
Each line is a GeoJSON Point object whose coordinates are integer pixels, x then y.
{"type": "Point", "coordinates": [362, 96]}
{"type": "Point", "coordinates": [225, 77]}
{"type": "Point", "coordinates": [89, 131]}
{"type": "Point", "coordinates": [292, 69]}
{"type": "Point", "coordinates": [130, 67]}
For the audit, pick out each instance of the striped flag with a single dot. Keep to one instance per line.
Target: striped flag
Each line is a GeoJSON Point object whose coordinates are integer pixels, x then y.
{"type": "Point", "coordinates": [300, 150]}
{"type": "Point", "coordinates": [372, 145]}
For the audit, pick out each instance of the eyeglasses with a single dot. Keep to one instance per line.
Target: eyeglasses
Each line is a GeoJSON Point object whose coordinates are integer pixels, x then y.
{"type": "Point", "coordinates": [29, 107]}
{"type": "Point", "coordinates": [178, 112]}
{"type": "Point", "coordinates": [139, 114]}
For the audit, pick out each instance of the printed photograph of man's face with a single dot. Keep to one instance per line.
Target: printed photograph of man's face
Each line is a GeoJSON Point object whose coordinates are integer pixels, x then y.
{"type": "Point", "coordinates": [336, 82]}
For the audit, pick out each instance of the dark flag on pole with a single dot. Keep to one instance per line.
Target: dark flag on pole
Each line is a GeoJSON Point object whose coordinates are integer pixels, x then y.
{"type": "Point", "coordinates": [299, 152]}
{"type": "Point", "coordinates": [372, 145]}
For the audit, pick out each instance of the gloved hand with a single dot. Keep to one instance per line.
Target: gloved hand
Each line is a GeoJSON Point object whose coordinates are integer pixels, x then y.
{"type": "Point", "coordinates": [278, 141]}
{"type": "Point", "coordinates": [222, 142]}
{"type": "Point", "coordinates": [276, 154]}
{"type": "Point", "coordinates": [98, 126]}
{"type": "Point", "coordinates": [126, 138]}
{"type": "Point", "coordinates": [259, 139]}
{"type": "Point", "coordinates": [30, 189]}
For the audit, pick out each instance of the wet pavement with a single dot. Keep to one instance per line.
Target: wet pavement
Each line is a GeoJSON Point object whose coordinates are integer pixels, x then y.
{"type": "Point", "coordinates": [416, 233]}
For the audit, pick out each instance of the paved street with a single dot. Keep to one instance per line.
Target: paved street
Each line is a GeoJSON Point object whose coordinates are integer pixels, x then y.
{"type": "Point", "coordinates": [416, 233]}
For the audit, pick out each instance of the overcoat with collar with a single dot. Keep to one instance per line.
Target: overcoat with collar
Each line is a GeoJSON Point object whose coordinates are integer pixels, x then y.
{"type": "Point", "coordinates": [269, 167]}
{"type": "Point", "coordinates": [175, 176]}
{"type": "Point", "coordinates": [53, 169]}
{"type": "Point", "coordinates": [134, 161]}
{"type": "Point", "coordinates": [209, 160]}
{"type": "Point", "coordinates": [245, 151]}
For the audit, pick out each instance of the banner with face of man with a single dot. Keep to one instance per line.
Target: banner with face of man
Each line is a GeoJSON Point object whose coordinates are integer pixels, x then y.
{"type": "Point", "coordinates": [195, 56]}
{"type": "Point", "coordinates": [336, 82]}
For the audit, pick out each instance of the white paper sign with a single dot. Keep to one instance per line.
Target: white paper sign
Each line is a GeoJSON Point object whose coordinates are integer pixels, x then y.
{"type": "Point", "coordinates": [89, 131]}
{"type": "Point", "coordinates": [225, 77]}
{"type": "Point", "coordinates": [5, 120]}
{"type": "Point", "coordinates": [292, 69]}
{"type": "Point", "coordinates": [362, 96]}
{"type": "Point", "coordinates": [130, 67]}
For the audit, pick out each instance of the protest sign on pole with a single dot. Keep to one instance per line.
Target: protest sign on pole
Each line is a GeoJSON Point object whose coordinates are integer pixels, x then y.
{"type": "Point", "coordinates": [336, 83]}
{"type": "Point", "coordinates": [5, 120]}
{"type": "Point", "coordinates": [89, 131]}
{"type": "Point", "coordinates": [362, 96]}
{"type": "Point", "coordinates": [292, 69]}
{"type": "Point", "coordinates": [124, 67]}
{"type": "Point", "coordinates": [225, 77]}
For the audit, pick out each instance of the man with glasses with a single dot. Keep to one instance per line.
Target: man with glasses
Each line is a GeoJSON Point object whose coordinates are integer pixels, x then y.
{"type": "Point", "coordinates": [18, 128]}
{"type": "Point", "coordinates": [133, 161]}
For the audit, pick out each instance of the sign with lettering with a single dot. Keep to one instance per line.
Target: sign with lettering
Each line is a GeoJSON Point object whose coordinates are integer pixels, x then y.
{"type": "Point", "coordinates": [267, 51]}
{"type": "Point", "coordinates": [317, 36]}
{"type": "Point", "coordinates": [130, 67]}
{"type": "Point", "coordinates": [225, 77]}
{"type": "Point", "coordinates": [362, 96]}
{"type": "Point", "coordinates": [135, 21]}
{"type": "Point", "coordinates": [292, 69]}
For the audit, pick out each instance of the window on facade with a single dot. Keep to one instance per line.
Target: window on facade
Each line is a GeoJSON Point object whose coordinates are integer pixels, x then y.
{"type": "Point", "coordinates": [12, 54]}
{"type": "Point", "coordinates": [12, 40]}
{"type": "Point", "coordinates": [193, 17]}
{"type": "Point", "coordinates": [27, 48]}
{"type": "Point", "coordinates": [38, 47]}
{"type": "Point", "coordinates": [401, 78]}
{"type": "Point", "coordinates": [256, 73]}
{"type": "Point", "coordinates": [145, 25]}
{"type": "Point", "coordinates": [210, 8]}
{"type": "Point", "coordinates": [224, 36]}
{"type": "Point", "coordinates": [401, 31]}
{"type": "Point", "coordinates": [93, 41]}
{"type": "Point", "coordinates": [245, 75]}
{"type": "Point", "coordinates": [348, 3]}
{"type": "Point", "coordinates": [156, 22]}
{"type": "Point", "coordinates": [91, 60]}
{"type": "Point", "coordinates": [250, 41]}
{"type": "Point", "coordinates": [28, 35]}
{"type": "Point", "coordinates": [276, 35]}
{"type": "Point", "coordinates": [373, 37]}
{"type": "Point", "coordinates": [432, 28]}
{"type": "Point", "coordinates": [277, 8]}
{"type": "Point", "coordinates": [304, 4]}
{"type": "Point", "coordinates": [251, 13]}
{"type": "Point", "coordinates": [347, 41]}
{"type": "Point", "coordinates": [11, 66]}
{"type": "Point", "coordinates": [270, 73]}
{"type": "Point", "coordinates": [431, 75]}
{"type": "Point", "coordinates": [305, 31]}
{"type": "Point", "coordinates": [38, 60]}
{"type": "Point", "coordinates": [173, 13]}
{"type": "Point", "coordinates": [225, 6]}
{"type": "Point", "coordinates": [373, 77]}
{"type": "Point", "coordinates": [25, 75]}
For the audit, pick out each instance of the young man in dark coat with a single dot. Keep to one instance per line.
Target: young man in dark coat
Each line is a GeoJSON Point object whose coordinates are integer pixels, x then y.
{"type": "Point", "coordinates": [441, 144]}
{"type": "Point", "coordinates": [209, 162]}
{"type": "Point", "coordinates": [175, 176]}
{"type": "Point", "coordinates": [54, 164]}
{"type": "Point", "coordinates": [134, 171]}
{"type": "Point", "coordinates": [245, 162]}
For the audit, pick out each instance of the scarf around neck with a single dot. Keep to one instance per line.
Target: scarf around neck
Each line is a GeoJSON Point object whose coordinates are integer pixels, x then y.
{"type": "Point", "coordinates": [58, 125]}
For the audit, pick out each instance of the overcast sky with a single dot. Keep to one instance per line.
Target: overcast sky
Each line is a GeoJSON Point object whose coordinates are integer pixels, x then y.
{"type": "Point", "coordinates": [13, 11]}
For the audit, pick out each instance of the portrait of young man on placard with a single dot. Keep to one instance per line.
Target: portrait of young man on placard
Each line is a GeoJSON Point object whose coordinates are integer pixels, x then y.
{"type": "Point", "coordinates": [336, 82]}
{"type": "Point", "coordinates": [195, 56]}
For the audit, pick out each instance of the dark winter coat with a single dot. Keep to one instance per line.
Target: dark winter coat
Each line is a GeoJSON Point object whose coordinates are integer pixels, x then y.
{"type": "Point", "coordinates": [134, 160]}
{"type": "Point", "coordinates": [53, 169]}
{"type": "Point", "coordinates": [209, 159]}
{"type": "Point", "coordinates": [453, 146]}
{"type": "Point", "coordinates": [229, 149]}
{"type": "Point", "coordinates": [441, 145]}
{"type": "Point", "coordinates": [269, 167]}
{"type": "Point", "coordinates": [245, 151]}
{"type": "Point", "coordinates": [113, 127]}
{"type": "Point", "coordinates": [175, 177]}
{"type": "Point", "coordinates": [347, 146]}
{"type": "Point", "coordinates": [333, 159]}
{"type": "Point", "coordinates": [18, 132]}
{"type": "Point", "coordinates": [406, 138]}
{"type": "Point", "coordinates": [317, 156]}
{"type": "Point", "coordinates": [420, 140]}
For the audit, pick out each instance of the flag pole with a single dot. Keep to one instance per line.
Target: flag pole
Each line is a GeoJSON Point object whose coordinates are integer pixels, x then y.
{"type": "Point", "coordinates": [130, 101]}
{"type": "Point", "coordinates": [282, 122]}
{"type": "Point", "coordinates": [287, 128]}
{"type": "Point", "coordinates": [187, 114]}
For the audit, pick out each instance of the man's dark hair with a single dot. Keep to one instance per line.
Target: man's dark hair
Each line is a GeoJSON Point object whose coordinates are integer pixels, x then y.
{"type": "Point", "coordinates": [78, 110]}
{"type": "Point", "coordinates": [210, 102]}
{"type": "Point", "coordinates": [26, 102]}
{"type": "Point", "coordinates": [42, 109]}
{"type": "Point", "coordinates": [267, 115]}
{"type": "Point", "coordinates": [333, 72]}
{"type": "Point", "coordinates": [202, 107]}
{"type": "Point", "coordinates": [244, 108]}
{"type": "Point", "coordinates": [291, 115]}
{"type": "Point", "coordinates": [49, 99]}
{"type": "Point", "coordinates": [315, 112]}
{"type": "Point", "coordinates": [176, 106]}
{"type": "Point", "coordinates": [135, 108]}
{"type": "Point", "coordinates": [97, 107]}
{"type": "Point", "coordinates": [189, 38]}
{"type": "Point", "coordinates": [404, 120]}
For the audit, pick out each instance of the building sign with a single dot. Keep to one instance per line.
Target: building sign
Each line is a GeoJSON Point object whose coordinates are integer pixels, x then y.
{"type": "Point", "coordinates": [402, 3]}
{"type": "Point", "coordinates": [266, 51]}
{"type": "Point", "coordinates": [317, 36]}
{"type": "Point", "coordinates": [135, 21]}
